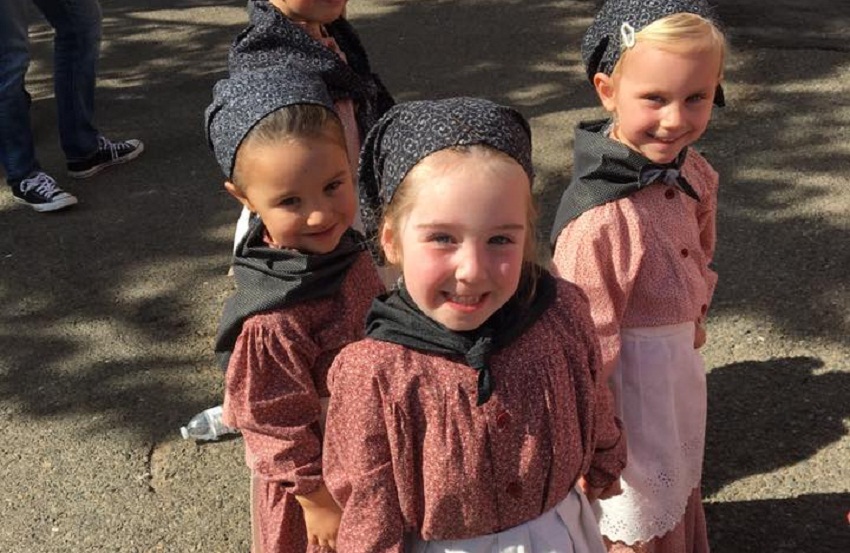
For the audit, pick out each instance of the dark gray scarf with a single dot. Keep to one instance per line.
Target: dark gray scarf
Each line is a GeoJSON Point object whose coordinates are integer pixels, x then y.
{"type": "Point", "coordinates": [272, 278]}
{"type": "Point", "coordinates": [412, 131]}
{"type": "Point", "coordinates": [271, 39]}
{"type": "Point", "coordinates": [606, 170]}
{"type": "Point", "coordinates": [602, 44]}
{"type": "Point", "coordinates": [395, 318]}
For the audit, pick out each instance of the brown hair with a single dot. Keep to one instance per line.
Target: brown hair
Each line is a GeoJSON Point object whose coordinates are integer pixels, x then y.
{"type": "Point", "coordinates": [292, 122]}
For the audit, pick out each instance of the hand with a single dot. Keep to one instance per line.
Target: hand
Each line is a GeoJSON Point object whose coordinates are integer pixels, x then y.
{"type": "Point", "coordinates": [592, 493]}
{"type": "Point", "coordinates": [321, 517]}
{"type": "Point", "coordinates": [699, 334]}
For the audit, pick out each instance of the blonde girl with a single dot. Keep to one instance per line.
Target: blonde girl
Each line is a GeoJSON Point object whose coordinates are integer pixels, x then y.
{"type": "Point", "coordinates": [465, 418]}
{"type": "Point", "coordinates": [636, 230]}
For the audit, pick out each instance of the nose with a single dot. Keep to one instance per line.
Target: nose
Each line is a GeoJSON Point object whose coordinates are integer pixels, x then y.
{"type": "Point", "coordinates": [318, 215]}
{"type": "Point", "coordinates": [674, 116]}
{"type": "Point", "coordinates": [471, 263]}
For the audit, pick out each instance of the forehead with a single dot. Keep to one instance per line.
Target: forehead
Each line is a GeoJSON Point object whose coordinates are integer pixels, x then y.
{"type": "Point", "coordinates": [472, 184]}
{"type": "Point", "coordinates": [680, 63]}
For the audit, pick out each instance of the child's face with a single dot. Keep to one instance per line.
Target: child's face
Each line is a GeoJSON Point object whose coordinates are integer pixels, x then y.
{"type": "Point", "coordinates": [311, 11]}
{"type": "Point", "coordinates": [302, 190]}
{"type": "Point", "coordinates": [460, 245]}
{"type": "Point", "coordinates": [661, 99]}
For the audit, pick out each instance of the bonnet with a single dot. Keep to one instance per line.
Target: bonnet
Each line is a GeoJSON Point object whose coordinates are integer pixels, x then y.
{"type": "Point", "coordinates": [244, 99]}
{"type": "Point", "coordinates": [411, 131]}
{"type": "Point", "coordinates": [617, 22]}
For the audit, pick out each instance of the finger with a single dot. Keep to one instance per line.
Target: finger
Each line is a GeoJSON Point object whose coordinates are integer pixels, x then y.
{"type": "Point", "coordinates": [582, 484]}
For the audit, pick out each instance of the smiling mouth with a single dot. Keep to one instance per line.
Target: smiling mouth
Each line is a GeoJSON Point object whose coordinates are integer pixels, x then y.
{"type": "Point", "coordinates": [665, 139]}
{"type": "Point", "coordinates": [322, 232]}
{"type": "Point", "coordinates": [465, 302]}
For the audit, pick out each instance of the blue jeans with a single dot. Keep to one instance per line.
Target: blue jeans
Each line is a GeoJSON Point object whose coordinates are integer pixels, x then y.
{"type": "Point", "coordinates": [76, 48]}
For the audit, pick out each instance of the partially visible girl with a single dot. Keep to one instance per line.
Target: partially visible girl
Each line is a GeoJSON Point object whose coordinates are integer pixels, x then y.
{"type": "Point", "coordinates": [304, 283]}
{"type": "Point", "coordinates": [467, 417]}
{"type": "Point", "coordinates": [636, 230]}
{"type": "Point", "coordinates": [313, 36]}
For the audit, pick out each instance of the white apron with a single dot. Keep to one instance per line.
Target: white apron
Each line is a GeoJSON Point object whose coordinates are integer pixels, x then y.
{"type": "Point", "coordinates": [660, 393]}
{"type": "Point", "coordinates": [570, 527]}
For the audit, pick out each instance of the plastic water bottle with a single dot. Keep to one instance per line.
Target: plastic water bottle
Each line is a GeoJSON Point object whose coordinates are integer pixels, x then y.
{"type": "Point", "coordinates": [207, 425]}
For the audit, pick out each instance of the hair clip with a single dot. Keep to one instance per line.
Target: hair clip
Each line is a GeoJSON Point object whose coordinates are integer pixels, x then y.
{"type": "Point", "coordinates": [627, 35]}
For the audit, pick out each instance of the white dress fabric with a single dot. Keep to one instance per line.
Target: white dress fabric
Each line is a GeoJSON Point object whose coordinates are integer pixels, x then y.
{"type": "Point", "coordinates": [659, 388]}
{"type": "Point", "coordinates": [570, 527]}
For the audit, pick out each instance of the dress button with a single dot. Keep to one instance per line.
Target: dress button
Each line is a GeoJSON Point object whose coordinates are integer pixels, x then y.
{"type": "Point", "coordinates": [670, 194]}
{"type": "Point", "coordinates": [684, 252]}
{"type": "Point", "coordinates": [503, 419]}
{"type": "Point", "coordinates": [514, 490]}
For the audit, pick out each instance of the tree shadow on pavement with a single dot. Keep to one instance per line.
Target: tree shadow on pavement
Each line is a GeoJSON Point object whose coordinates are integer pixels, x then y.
{"type": "Point", "coordinates": [787, 408]}
{"type": "Point", "coordinates": [110, 308]}
{"type": "Point", "coordinates": [814, 523]}
{"type": "Point", "coordinates": [131, 281]}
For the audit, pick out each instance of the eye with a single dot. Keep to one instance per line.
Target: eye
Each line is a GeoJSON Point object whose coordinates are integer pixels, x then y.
{"type": "Point", "coordinates": [501, 240]}
{"type": "Point", "coordinates": [291, 201]}
{"type": "Point", "coordinates": [333, 186]}
{"type": "Point", "coordinates": [696, 98]}
{"type": "Point", "coordinates": [440, 238]}
{"type": "Point", "coordinates": [654, 99]}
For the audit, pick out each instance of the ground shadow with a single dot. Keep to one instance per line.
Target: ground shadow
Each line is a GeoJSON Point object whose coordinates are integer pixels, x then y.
{"type": "Point", "coordinates": [815, 523]}
{"type": "Point", "coordinates": [109, 309]}
{"type": "Point", "coordinates": [790, 411]}
{"type": "Point", "coordinates": [131, 281]}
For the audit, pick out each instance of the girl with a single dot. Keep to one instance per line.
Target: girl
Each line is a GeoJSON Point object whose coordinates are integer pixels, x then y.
{"type": "Point", "coordinates": [636, 230]}
{"type": "Point", "coordinates": [465, 418]}
{"type": "Point", "coordinates": [314, 37]}
{"type": "Point", "coordinates": [304, 283]}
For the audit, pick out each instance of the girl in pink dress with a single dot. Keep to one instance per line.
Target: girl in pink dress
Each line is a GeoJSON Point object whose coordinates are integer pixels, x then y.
{"type": "Point", "coordinates": [466, 417]}
{"type": "Point", "coordinates": [304, 281]}
{"type": "Point", "coordinates": [636, 231]}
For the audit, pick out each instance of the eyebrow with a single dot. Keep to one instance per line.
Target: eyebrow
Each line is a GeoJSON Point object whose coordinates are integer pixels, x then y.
{"type": "Point", "coordinates": [440, 226]}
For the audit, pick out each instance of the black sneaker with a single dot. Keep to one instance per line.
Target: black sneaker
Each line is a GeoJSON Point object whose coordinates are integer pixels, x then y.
{"type": "Point", "coordinates": [108, 153]}
{"type": "Point", "coordinates": [40, 192]}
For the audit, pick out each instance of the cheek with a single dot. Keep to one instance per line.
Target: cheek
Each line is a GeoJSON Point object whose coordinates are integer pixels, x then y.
{"type": "Point", "coordinates": [509, 266]}
{"type": "Point", "coordinates": [423, 268]}
{"type": "Point", "coordinates": [704, 118]}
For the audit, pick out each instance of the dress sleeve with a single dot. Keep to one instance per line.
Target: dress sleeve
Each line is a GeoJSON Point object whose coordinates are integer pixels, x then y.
{"type": "Point", "coordinates": [358, 460]}
{"type": "Point", "coordinates": [609, 454]}
{"type": "Point", "coordinates": [272, 399]}
{"type": "Point", "coordinates": [707, 219]}
{"type": "Point", "coordinates": [600, 252]}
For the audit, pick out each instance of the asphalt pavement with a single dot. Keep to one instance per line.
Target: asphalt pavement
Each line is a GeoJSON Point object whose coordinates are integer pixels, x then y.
{"type": "Point", "coordinates": [108, 309]}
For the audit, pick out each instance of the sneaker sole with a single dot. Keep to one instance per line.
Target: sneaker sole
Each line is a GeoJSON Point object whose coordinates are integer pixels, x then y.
{"type": "Point", "coordinates": [53, 206]}
{"type": "Point", "coordinates": [98, 168]}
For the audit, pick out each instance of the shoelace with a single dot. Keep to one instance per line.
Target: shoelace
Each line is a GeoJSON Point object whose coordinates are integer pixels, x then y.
{"type": "Point", "coordinates": [106, 144]}
{"type": "Point", "coordinates": [116, 149]}
{"type": "Point", "coordinates": [42, 183]}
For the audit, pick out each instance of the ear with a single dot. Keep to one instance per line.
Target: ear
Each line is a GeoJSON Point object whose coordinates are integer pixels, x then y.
{"type": "Point", "coordinates": [604, 85]}
{"type": "Point", "coordinates": [237, 193]}
{"type": "Point", "coordinates": [388, 244]}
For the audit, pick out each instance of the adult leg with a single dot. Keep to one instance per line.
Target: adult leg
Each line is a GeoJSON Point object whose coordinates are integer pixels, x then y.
{"type": "Point", "coordinates": [76, 52]}
{"type": "Point", "coordinates": [17, 153]}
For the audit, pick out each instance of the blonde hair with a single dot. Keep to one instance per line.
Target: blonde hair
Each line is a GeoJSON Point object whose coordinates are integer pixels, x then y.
{"type": "Point", "coordinates": [405, 197]}
{"type": "Point", "coordinates": [289, 123]}
{"type": "Point", "coordinates": [681, 32]}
